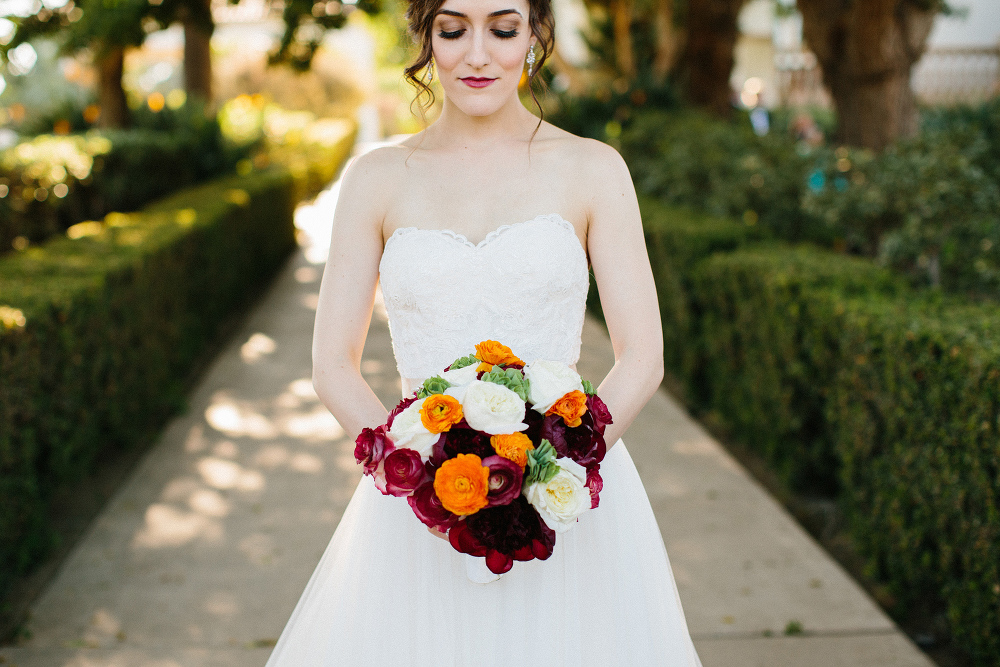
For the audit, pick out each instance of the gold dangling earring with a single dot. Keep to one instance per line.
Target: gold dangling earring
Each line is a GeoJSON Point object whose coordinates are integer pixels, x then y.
{"type": "Point", "coordinates": [430, 71]}
{"type": "Point", "coordinates": [531, 59]}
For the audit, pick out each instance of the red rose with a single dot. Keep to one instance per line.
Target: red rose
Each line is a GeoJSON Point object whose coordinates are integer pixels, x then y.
{"type": "Point", "coordinates": [404, 471]}
{"type": "Point", "coordinates": [370, 447]}
{"type": "Point", "coordinates": [600, 412]}
{"type": "Point", "coordinates": [595, 484]}
{"type": "Point", "coordinates": [428, 508]}
{"type": "Point", "coordinates": [504, 480]}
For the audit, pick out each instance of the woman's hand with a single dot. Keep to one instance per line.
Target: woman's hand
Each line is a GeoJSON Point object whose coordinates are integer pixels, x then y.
{"type": "Point", "coordinates": [438, 533]}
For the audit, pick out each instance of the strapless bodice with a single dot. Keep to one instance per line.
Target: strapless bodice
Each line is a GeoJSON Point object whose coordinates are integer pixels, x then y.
{"type": "Point", "coordinates": [524, 285]}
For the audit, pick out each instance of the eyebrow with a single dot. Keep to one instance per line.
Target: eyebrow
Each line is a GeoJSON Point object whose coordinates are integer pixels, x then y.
{"type": "Point", "coordinates": [499, 12]}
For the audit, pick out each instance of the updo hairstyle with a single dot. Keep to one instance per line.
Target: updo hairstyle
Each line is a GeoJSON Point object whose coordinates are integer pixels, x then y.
{"type": "Point", "coordinates": [420, 24]}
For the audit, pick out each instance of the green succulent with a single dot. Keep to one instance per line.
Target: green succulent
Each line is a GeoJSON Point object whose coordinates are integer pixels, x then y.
{"type": "Point", "coordinates": [541, 465]}
{"type": "Point", "coordinates": [462, 362]}
{"type": "Point", "coordinates": [434, 385]}
{"type": "Point", "coordinates": [511, 378]}
{"type": "Point", "coordinates": [588, 388]}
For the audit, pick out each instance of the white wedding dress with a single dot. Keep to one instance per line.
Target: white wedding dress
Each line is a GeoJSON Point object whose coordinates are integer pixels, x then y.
{"type": "Point", "coordinates": [386, 592]}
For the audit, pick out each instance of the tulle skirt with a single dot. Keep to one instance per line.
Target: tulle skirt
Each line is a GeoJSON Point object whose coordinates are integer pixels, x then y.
{"type": "Point", "coordinates": [387, 592]}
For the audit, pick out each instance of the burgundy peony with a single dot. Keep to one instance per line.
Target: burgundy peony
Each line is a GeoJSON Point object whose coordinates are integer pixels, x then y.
{"type": "Point", "coordinates": [595, 484]}
{"type": "Point", "coordinates": [513, 532]}
{"type": "Point", "coordinates": [505, 480]}
{"type": "Point", "coordinates": [428, 508]}
{"type": "Point", "coordinates": [371, 447]}
{"type": "Point", "coordinates": [583, 443]}
{"type": "Point", "coordinates": [404, 471]}
{"type": "Point", "coordinates": [461, 441]}
{"type": "Point", "coordinates": [463, 541]}
{"type": "Point", "coordinates": [597, 408]}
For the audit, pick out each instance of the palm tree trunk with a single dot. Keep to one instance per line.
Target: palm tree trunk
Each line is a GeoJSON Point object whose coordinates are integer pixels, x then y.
{"type": "Point", "coordinates": [712, 34]}
{"type": "Point", "coordinates": [114, 109]}
{"type": "Point", "coordinates": [667, 41]}
{"type": "Point", "coordinates": [867, 51]}
{"type": "Point", "coordinates": [197, 52]}
{"type": "Point", "coordinates": [621, 14]}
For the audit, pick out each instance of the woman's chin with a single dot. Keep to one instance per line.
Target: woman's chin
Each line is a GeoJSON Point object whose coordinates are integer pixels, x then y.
{"type": "Point", "coordinates": [479, 105]}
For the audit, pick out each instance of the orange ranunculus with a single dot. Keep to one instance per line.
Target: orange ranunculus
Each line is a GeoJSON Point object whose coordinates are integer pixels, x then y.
{"type": "Point", "coordinates": [462, 483]}
{"type": "Point", "coordinates": [439, 412]}
{"type": "Point", "coordinates": [514, 446]}
{"type": "Point", "coordinates": [491, 352]}
{"type": "Point", "coordinates": [570, 407]}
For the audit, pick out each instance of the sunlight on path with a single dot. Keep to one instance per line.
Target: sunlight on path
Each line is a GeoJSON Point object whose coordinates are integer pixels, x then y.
{"type": "Point", "coordinates": [201, 555]}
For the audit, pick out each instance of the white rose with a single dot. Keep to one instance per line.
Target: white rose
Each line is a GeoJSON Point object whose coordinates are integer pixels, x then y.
{"type": "Point", "coordinates": [565, 497]}
{"type": "Point", "coordinates": [461, 376]}
{"type": "Point", "coordinates": [550, 381]}
{"type": "Point", "coordinates": [492, 408]}
{"type": "Point", "coordinates": [409, 431]}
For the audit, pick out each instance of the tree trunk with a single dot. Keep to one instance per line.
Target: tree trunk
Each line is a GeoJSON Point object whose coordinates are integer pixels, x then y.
{"type": "Point", "coordinates": [114, 109]}
{"type": "Point", "coordinates": [197, 52]}
{"type": "Point", "coordinates": [621, 15]}
{"type": "Point", "coordinates": [667, 41]}
{"type": "Point", "coordinates": [867, 51]}
{"type": "Point", "coordinates": [711, 37]}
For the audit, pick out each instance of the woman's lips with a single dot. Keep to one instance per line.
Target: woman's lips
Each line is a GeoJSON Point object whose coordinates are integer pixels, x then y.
{"type": "Point", "coordinates": [477, 82]}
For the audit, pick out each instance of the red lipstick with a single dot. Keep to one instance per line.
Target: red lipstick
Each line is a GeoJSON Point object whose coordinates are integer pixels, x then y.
{"type": "Point", "coordinates": [477, 81]}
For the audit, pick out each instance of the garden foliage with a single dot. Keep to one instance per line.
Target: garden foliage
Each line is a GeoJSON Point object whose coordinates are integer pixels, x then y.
{"type": "Point", "coordinates": [928, 207]}
{"type": "Point", "coordinates": [850, 383]}
{"type": "Point", "coordinates": [50, 182]}
{"type": "Point", "coordinates": [102, 327]}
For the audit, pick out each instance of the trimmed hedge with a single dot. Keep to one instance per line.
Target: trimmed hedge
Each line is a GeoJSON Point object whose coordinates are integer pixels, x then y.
{"type": "Point", "coordinates": [677, 239]}
{"type": "Point", "coordinates": [111, 325]}
{"type": "Point", "coordinates": [851, 384]}
{"type": "Point", "coordinates": [770, 318]}
{"type": "Point", "coordinates": [914, 414]}
{"type": "Point", "coordinates": [100, 330]}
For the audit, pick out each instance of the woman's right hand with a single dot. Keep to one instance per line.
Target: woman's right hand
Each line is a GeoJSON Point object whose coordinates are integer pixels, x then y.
{"type": "Point", "coordinates": [438, 533]}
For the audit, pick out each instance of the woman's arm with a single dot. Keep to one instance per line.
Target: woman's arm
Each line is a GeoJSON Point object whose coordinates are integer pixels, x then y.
{"type": "Point", "coordinates": [347, 296]}
{"type": "Point", "coordinates": [618, 256]}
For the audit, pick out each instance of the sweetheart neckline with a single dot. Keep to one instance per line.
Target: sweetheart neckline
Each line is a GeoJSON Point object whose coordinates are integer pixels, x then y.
{"type": "Point", "coordinates": [496, 233]}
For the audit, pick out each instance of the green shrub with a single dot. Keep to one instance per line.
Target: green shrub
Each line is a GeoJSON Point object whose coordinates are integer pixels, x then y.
{"type": "Point", "coordinates": [111, 323]}
{"type": "Point", "coordinates": [604, 114]}
{"type": "Point", "coordinates": [770, 317]}
{"type": "Point", "coordinates": [101, 328]}
{"type": "Point", "coordinates": [721, 167]}
{"type": "Point", "coordinates": [677, 239]}
{"type": "Point", "coordinates": [922, 206]}
{"type": "Point", "coordinates": [914, 414]}
{"type": "Point", "coordinates": [45, 186]}
{"type": "Point", "coordinates": [52, 182]}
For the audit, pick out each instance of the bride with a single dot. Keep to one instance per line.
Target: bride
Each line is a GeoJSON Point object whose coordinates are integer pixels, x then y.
{"type": "Point", "coordinates": [482, 227]}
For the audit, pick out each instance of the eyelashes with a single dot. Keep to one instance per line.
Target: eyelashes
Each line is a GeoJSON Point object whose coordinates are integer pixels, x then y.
{"type": "Point", "coordinates": [455, 34]}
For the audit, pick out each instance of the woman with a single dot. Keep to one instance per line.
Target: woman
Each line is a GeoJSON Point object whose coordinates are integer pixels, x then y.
{"type": "Point", "coordinates": [482, 227]}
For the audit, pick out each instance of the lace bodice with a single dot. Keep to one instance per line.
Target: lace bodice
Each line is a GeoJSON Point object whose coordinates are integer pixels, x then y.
{"type": "Point", "coordinates": [524, 285]}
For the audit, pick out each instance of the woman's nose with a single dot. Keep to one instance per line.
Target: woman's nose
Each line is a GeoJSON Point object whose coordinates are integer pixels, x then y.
{"type": "Point", "coordinates": [477, 57]}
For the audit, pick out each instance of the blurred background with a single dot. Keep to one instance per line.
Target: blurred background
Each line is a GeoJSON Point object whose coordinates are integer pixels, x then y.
{"type": "Point", "coordinates": [820, 187]}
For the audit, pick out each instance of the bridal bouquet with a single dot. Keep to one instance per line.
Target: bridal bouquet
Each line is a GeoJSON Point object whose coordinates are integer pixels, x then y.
{"type": "Point", "coordinates": [499, 454]}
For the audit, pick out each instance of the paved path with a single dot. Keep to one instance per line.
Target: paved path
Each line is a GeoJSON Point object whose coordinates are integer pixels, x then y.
{"type": "Point", "coordinates": [200, 557]}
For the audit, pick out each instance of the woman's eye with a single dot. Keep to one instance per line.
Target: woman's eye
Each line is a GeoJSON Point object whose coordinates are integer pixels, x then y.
{"type": "Point", "coordinates": [505, 34]}
{"type": "Point", "coordinates": [454, 34]}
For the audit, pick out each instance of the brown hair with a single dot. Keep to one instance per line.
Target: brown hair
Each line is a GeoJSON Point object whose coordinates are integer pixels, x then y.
{"type": "Point", "coordinates": [420, 21]}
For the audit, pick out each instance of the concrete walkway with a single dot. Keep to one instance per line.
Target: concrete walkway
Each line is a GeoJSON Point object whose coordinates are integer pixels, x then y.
{"type": "Point", "coordinates": [201, 556]}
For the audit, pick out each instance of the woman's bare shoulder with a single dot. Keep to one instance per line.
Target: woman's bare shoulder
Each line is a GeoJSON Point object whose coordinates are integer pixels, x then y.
{"type": "Point", "coordinates": [381, 165]}
{"type": "Point", "coordinates": [595, 169]}
{"type": "Point", "coordinates": [372, 180]}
